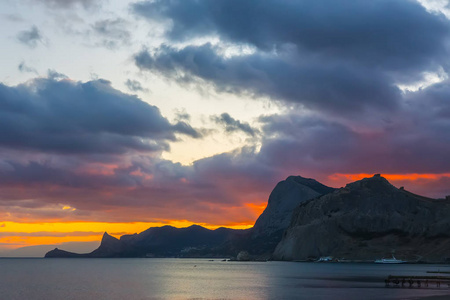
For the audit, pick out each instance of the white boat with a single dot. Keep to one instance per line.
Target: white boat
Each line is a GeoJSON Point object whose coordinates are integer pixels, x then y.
{"type": "Point", "coordinates": [392, 260]}
{"type": "Point", "coordinates": [325, 259]}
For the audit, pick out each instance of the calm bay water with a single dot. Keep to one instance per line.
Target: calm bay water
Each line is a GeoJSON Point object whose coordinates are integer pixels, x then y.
{"type": "Point", "coordinates": [203, 279]}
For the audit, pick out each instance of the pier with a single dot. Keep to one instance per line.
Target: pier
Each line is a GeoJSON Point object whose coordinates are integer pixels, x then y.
{"type": "Point", "coordinates": [418, 281]}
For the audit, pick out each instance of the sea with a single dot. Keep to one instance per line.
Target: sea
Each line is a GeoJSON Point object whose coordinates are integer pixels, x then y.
{"type": "Point", "coordinates": [171, 278]}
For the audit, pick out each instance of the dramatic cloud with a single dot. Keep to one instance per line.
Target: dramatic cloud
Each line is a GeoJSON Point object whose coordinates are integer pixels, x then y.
{"type": "Point", "coordinates": [331, 87]}
{"type": "Point", "coordinates": [343, 61]}
{"type": "Point", "coordinates": [412, 143]}
{"type": "Point", "coordinates": [72, 151]}
{"type": "Point", "coordinates": [415, 141]}
{"type": "Point", "coordinates": [219, 188]}
{"type": "Point", "coordinates": [213, 191]}
{"type": "Point", "coordinates": [31, 37]}
{"type": "Point", "coordinates": [73, 117]}
{"type": "Point", "coordinates": [392, 34]}
{"type": "Point", "coordinates": [232, 124]}
{"type": "Point", "coordinates": [87, 145]}
{"type": "Point", "coordinates": [340, 57]}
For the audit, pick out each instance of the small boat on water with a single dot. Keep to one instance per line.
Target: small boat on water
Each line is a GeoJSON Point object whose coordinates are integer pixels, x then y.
{"type": "Point", "coordinates": [392, 260]}
{"type": "Point", "coordinates": [325, 259]}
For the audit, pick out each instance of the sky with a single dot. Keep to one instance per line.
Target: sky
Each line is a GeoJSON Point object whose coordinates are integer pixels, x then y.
{"type": "Point", "coordinates": [121, 115]}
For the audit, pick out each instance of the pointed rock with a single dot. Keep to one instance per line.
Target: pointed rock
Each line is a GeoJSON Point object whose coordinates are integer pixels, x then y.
{"type": "Point", "coordinates": [109, 247]}
{"type": "Point", "coordinates": [285, 197]}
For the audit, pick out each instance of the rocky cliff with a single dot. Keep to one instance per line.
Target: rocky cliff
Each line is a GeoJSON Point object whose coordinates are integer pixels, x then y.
{"type": "Point", "coordinates": [368, 219]}
{"type": "Point", "coordinates": [109, 247]}
{"type": "Point", "coordinates": [193, 241]}
{"type": "Point", "coordinates": [58, 253]}
{"type": "Point", "coordinates": [166, 241]}
{"type": "Point", "coordinates": [365, 220]}
{"type": "Point", "coordinates": [196, 241]}
{"type": "Point", "coordinates": [285, 197]}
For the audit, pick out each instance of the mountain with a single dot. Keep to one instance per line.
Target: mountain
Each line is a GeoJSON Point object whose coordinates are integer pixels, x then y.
{"type": "Point", "coordinates": [193, 241]}
{"type": "Point", "coordinates": [368, 219]}
{"type": "Point", "coordinates": [58, 253]}
{"type": "Point", "coordinates": [285, 197]}
{"type": "Point", "coordinates": [304, 219]}
{"type": "Point", "coordinates": [166, 241]}
{"type": "Point", "coordinates": [109, 247]}
{"type": "Point", "coordinates": [196, 241]}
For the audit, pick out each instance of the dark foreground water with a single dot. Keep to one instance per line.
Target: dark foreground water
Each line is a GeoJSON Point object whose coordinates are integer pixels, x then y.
{"type": "Point", "coordinates": [203, 279]}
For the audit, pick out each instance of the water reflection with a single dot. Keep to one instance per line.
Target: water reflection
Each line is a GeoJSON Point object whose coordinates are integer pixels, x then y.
{"type": "Point", "coordinates": [198, 279]}
{"type": "Point", "coordinates": [203, 279]}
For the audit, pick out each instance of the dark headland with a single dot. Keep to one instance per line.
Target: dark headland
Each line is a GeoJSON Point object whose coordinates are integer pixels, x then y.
{"type": "Point", "coordinates": [305, 220]}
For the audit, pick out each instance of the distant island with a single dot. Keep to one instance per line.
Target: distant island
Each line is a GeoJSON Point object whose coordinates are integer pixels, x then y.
{"type": "Point", "coordinates": [304, 221]}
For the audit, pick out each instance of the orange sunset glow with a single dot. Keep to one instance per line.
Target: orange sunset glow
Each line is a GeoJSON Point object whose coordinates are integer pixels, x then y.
{"type": "Point", "coordinates": [118, 116]}
{"type": "Point", "coordinates": [21, 234]}
{"type": "Point", "coordinates": [390, 177]}
{"type": "Point", "coordinates": [15, 235]}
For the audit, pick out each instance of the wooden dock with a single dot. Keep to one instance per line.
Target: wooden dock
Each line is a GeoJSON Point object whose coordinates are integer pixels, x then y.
{"type": "Point", "coordinates": [418, 281]}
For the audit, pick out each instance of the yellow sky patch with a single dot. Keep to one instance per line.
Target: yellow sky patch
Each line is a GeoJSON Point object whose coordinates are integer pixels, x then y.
{"type": "Point", "coordinates": [93, 231]}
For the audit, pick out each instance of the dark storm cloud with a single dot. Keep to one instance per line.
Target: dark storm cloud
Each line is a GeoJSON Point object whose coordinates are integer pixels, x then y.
{"type": "Point", "coordinates": [437, 104]}
{"type": "Point", "coordinates": [331, 56]}
{"type": "Point", "coordinates": [36, 173]}
{"type": "Point", "coordinates": [135, 86]}
{"type": "Point", "coordinates": [206, 191]}
{"type": "Point", "coordinates": [294, 144]}
{"type": "Point", "coordinates": [314, 145]}
{"type": "Point", "coordinates": [338, 58]}
{"type": "Point", "coordinates": [411, 143]}
{"type": "Point", "coordinates": [393, 34]}
{"type": "Point", "coordinates": [232, 125]}
{"type": "Point", "coordinates": [333, 87]}
{"type": "Point", "coordinates": [31, 37]}
{"type": "Point", "coordinates": [73, 117]}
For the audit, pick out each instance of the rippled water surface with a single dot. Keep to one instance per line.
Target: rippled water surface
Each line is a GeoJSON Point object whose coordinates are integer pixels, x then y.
{"type": "Point", "coordinates": [204, 279]}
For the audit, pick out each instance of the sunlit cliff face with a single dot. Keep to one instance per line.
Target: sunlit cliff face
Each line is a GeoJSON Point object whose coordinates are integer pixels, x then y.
{"type": "Point", "coordinates": [120, 115]}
